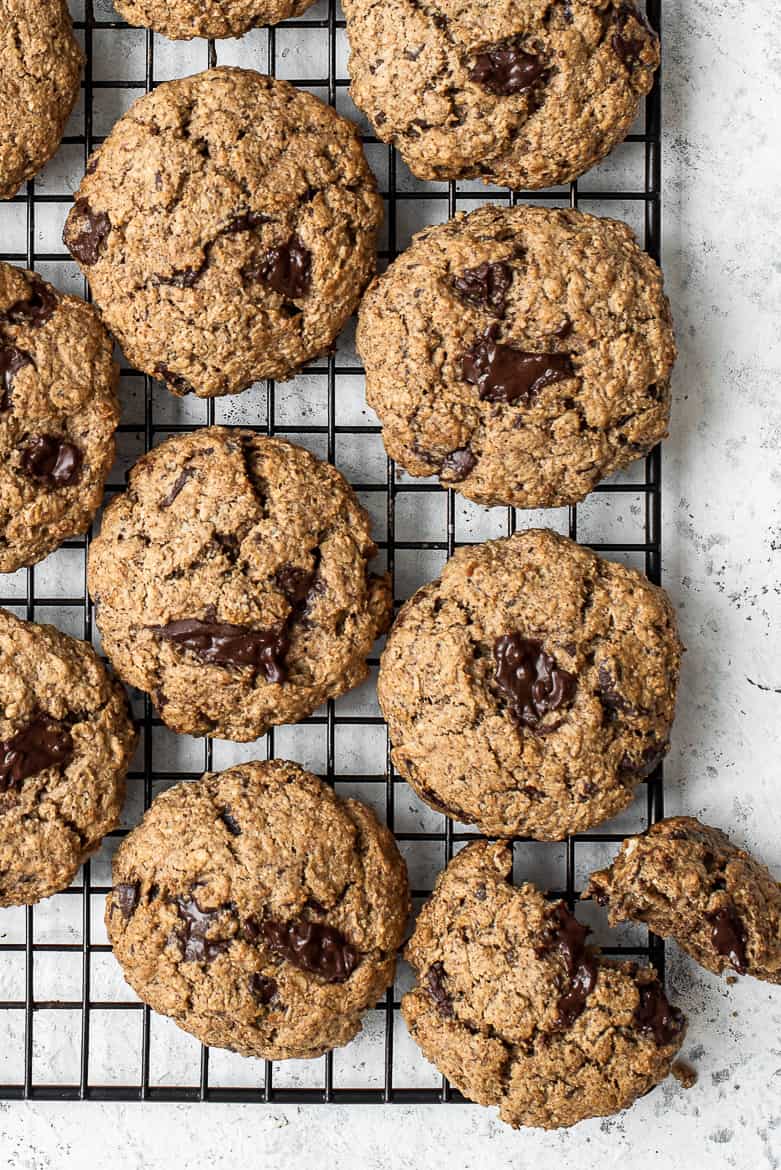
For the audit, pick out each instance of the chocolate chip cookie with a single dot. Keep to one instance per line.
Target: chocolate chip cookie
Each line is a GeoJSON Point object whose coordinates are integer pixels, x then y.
{"type": "Point", "coordinates": [522, 354]}
{"type": "Point", "coordinates": [58, 414]}
{"type": "Point", "coordinates": [687, 881]}
{"type": "Point", "coordinates": [531, 688]}
{"type": "Point", "coordinates": [528, 94]}
{"type": "Point", "coordinates": [66, 739]}
{"type": "Point", "coordinates": [259, 910]}
{"type": "Point", "coordinates": [518, 1011]}
{"type": "Point", "coordinates": [183, 19]}
{"type": "Point", "coordinates": [40, 72]}
{"type": "Point", "coordinates": [232, 583]}
{"type": "Point", "coordinates": [227, 227]}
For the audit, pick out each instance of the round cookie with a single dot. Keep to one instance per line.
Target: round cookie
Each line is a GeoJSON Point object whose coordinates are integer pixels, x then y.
{"type": "Point", "coordinates": [40, 73]}
{"type": "Point", "coordinates": [522, 354]}
{"type": "Point", "coordinates": [232, 583]}
{"type": "Point", "coordinates": [259, 910]}
{"type": "Point", "coordinates": [531, 687]}
{"type": "Point", "coordinates": [66, 739]}
{"type": "Point", "coordinates": [58, 414]}
{"type": "Point", "coordinates": [183, 19]}
{"type": "Point", "coordinates": [517, 1011]}
{"type": "Point", "coordinates": [687, 881]}
{"type": "Point", "coordinates": [524, 94]}
{"type": "Point", "coordinates": [227, 227]}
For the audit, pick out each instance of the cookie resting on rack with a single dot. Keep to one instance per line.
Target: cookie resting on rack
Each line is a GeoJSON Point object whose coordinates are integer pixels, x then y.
{"type": "Point", "coordinates": [522, 354]}
{"type": "Point", "coordinates": [66, 738]}
{"type": "Point", "coordinates": [184, 19]}
{"type": "Point", "coordinates": [232, 583]}
{"type": "Point", "coordinates": [687, 881]}
{"type": "Point", "coordinates": [259, 910]}
{"type": "Point", "coordinates": [227, 227]}
{"type": "Point", "coordinates": [517, 1011]}
{"type": "Point", "coordinates": [58, 414]}
{"type": "Point", "coordinates": [531, 688]}
{"type": "Point", "coordinates": [524, 94]}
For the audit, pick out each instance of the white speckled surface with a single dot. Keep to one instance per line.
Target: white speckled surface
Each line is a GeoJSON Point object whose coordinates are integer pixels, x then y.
{"type": "Point", "coordinates": [722, 483]}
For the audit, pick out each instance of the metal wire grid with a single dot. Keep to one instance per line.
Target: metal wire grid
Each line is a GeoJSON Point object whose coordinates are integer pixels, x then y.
{"type": "Point", "coordinates": [649, 550]}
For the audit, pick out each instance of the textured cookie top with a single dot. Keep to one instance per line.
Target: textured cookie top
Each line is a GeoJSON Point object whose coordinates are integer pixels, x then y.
{"type": "Point", "coordinates": [522, 354]}
{"type": "Point", "coordinates": [232, 582]}
{"type": "Point", "coordinates": [523, 93]}
{"type": "Point", "coordinates": [259, 910]}
{"type": "Point", "coordinates": [183, 19]}
{"type": "Point", "coordinates": [532, 687]}
{"type": "Point", "coordinates": [40, 69]}
{"type": "Point", "coordinates": [515, 1008]}
{"type": "Point", "coordinates": [58, 413]}
{"type": "Point", "coordinates": [65, 743]}
{"type": "Point", "coordinates": [227, 227]}
{"type": "Point", "coordinates": [689, 882]}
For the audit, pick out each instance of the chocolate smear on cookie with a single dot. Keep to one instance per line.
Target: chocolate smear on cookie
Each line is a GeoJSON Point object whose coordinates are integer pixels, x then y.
{"type": "Point", "coordinates": [505, 374]}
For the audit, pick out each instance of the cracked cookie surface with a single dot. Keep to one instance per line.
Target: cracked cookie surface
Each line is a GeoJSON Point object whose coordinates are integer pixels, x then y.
{"type": "Point", "coordinates": [183, 19]}
{"type": "Point", "coordinates": [687, 881]}
{"type": "Point", "coordinates": [531, 688]}
{"type": "Point", "coordinates": [40, 72]}
{"type": "Point", "coordinates": [227, 227]}
{"type": "Point", "coordinates": [232, 583]}
{"type": "Point", "coordinates": [517, 1011]}
{"type": "Point", "coordinates": [66, 739]}
{"type": "Point", "coordinates": [521, 354]}
{"type": "Point", "coordinates": [260, 910]}
{"type": "Point", "coordinates": [522, 93]}
{"type": "Point", "coordinates": [58, 414]}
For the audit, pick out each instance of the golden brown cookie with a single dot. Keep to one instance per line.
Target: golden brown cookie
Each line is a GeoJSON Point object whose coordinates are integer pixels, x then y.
{"type": "Point", "coordinates": [259, 910]}
{"type": "Point", "coordinates": [183, 19]}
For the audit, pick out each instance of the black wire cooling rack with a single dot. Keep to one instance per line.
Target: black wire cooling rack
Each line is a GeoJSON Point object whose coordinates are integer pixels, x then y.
{"type": "Point", "coordinates": [57, 967]}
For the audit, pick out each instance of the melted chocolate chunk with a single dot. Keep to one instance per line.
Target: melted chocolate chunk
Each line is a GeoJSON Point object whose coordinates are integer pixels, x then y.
{"type": "Point", "coordinates": [126, 895]}
{"type": "Point", "coordinates": [485, 287]}
{"type": "Point", "coordinates": [506, 68]}
{"type": "Point", "coordinates": [435, 980]}
{"type": "Point", "coordinates": [177, 486]}
{"type": "Point", "coordinates": [293, 582]}
{"type": "Point", "coordinates": [176, 382]}
{"type": "Point", "coordinates": [458, 464]}
{"type": "Point", "coordinates": [313, 946]}
{"type": "Point", "coordinates": [52, 461]}
{"type": "Point", "coordinates": [505, 374]}
{"type": "Point", "coordinates": [655, 1016]}
{"type": "Point", "coordinates": [230, 822]}
{"type": "Point", "coordinates": [262, 989]}
{"type": "Point", "coordinates": [228, 645]}
{"type": "Point", "coordinates": [627, 47]}
{"type": "Point", "coordinates": [196, 923]}
{"type": "Point", "coordinates": [729, 937]}
{"type": "Point", "coordinates": [35, 309]}
{"type": "Point", "coordinates": [287, 269]}
{"type": "Point", "coordinates": [43, 743]}
{"type": "Point", "coordinates": [569, 938]}
{"type": "Point", "coordinates": [530, 680]}
{"type": "Point", "coordinates": [12, 360]}
{"type": "Point", "coordinates": [87, 244]}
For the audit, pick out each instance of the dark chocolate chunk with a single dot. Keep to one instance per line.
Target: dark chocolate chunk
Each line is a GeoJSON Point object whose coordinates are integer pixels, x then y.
{"type": "Point", "coordinates": [641, 769]}
{"type": "Point", "coordinates": [293, 582]}
{"type": "Point", "coordinates": [176, 382]}
{"type": "Point", "coordinates": [177, 486]}
{"type": "Point", "coordinates": [287, 269]}
{"type": "Point", "coordinates": [126, 895]}
{"type": "Point", "coordinates": [42, 743]}
{"type": "Point", "coordinates": [12, 360]}
{"type": "Point", "coordinates": [505, 374]}
{"type": "Point", "coordinates": [36, 308]}
{"type": "Point", "coordinates": [313, 946]}
{"type": "Point", "coordinates": [627, 47]}
{"type": "Point", "coordinates": [563, 330]}
{"type": "Point", "coordinates": [530, 680]}
{"type": "Point", "coordinates": [458, 464]}
{"type": "Point", "coordinates": [52, 461]}
{"type": "Point", "coordinates": [230, 822]}
{"type": "Point", "coordinates": [655, 1016]}
{"type": "Point", "coordinates": [245, 221]}
{"type": "Point", "coordinates": [568, 936]}
{"type": "Point", "coordinates": [435, 985]}
{"type": "Point", "coordinates": [262, 989]}
{"type": "Point", "coordinates": [485, 287]}
{"type": "Point", "coordinates": [729, 937]}
{"type": "Point", "coordinates": [506, 68]}
{"type": "Point", "coordinates": [183, 277]}
{"type": "Point", "coordinates": [196, 924]}
{"type": "Point", "coordinates": [612, 701]}
{"type": "Point", "coordinates": [228, 645]}
{"type": "Point", "coordinates": [87, 243]}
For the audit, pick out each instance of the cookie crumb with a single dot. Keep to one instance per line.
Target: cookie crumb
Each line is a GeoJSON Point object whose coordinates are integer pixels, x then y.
{"type": "Point", "coordinates": [684, 1074]}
